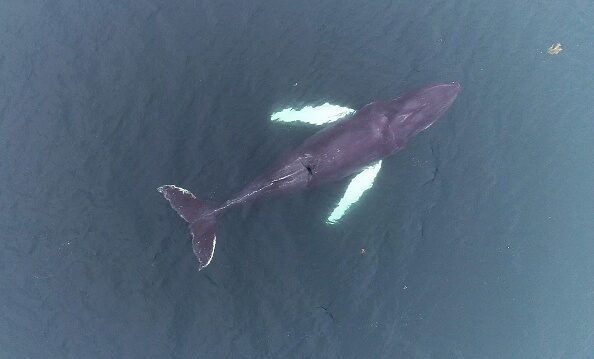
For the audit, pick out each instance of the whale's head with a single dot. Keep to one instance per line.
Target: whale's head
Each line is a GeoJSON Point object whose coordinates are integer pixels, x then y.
{"type": "Point", "coordinates": [415, 111]}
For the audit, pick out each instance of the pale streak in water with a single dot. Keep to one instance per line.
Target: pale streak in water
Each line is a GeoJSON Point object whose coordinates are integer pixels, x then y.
{"type": "Point", "coordinates": [320, 115]}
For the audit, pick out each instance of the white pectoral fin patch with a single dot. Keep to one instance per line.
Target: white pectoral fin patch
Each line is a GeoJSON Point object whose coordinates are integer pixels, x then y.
{"type": "Point", "coordinates": [358, 185]}
{"type": "Point", "coordinates": [315, 115]}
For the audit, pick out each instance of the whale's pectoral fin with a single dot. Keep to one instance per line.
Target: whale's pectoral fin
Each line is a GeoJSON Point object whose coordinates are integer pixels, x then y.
{"type": "Point", "coordinates": [358, 185]}
{"type": "Point", "coordinates": [315, 115]}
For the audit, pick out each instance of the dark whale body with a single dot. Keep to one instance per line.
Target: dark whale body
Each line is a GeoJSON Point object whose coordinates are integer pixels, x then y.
{"type": "Point", "coordinates": [375, 131]}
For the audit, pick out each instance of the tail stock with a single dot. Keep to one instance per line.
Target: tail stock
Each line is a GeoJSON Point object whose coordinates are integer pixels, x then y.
{"type": "Point", "coordinates": [200, 217]}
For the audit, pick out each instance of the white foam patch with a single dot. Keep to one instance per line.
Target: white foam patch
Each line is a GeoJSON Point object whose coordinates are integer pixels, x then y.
{"type": "Point", "coordinates": [315, 115]}
{"type": "Point", "coordinates": [359, 184]}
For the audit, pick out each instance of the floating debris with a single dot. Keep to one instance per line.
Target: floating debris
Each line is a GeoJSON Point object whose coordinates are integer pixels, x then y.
{"type": "Point", "coordinates": [363, 251]}
{"type": "Point", "coordinates": [554, 49]}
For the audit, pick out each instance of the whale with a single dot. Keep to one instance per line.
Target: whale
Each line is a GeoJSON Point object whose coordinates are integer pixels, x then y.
{"type": "Point", "coordinates": [346, 147]}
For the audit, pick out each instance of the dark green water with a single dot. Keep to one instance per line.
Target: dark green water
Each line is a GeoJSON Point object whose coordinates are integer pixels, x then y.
{"type": "Point", "coordinates": [479, 236]}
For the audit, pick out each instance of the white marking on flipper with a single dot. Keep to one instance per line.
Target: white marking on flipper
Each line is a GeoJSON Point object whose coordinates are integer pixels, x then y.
{"type": "Point", "coordinates": [315, 115]}
{"type": "Point", "coordinates": [358, 185]}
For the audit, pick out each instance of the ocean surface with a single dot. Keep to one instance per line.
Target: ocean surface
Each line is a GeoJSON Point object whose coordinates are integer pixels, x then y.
{"type": "Point", "coordinates": [478, 237]}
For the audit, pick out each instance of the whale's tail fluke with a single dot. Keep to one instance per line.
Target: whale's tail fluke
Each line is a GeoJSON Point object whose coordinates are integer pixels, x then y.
{"type": "Point", "coordinates": [201, 218]}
